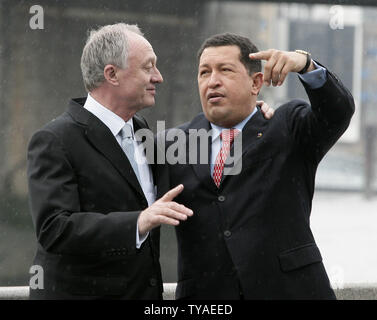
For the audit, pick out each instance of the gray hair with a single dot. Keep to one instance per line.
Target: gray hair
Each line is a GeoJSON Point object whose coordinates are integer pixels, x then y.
{"type": "Point", "coordinates": [106, 45]}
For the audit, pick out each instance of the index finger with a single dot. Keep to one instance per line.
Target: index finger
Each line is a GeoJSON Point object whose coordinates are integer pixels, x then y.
{"type": "Point", "coordinates": [171, 194]}
{"type": "Point", "coordinates": [261, 55]}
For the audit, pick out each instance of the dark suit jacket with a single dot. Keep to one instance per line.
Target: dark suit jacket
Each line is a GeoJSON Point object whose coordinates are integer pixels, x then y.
{"type": "Point", "coordinates": [252, 235]}
{"type": "Point", "coordinates": [85, 200]}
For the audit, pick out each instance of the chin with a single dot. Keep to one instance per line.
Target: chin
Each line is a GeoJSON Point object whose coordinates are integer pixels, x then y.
{"type": "Point", "coordinates": [218, 118]}
{"type": "Point", "coordinates": [225, 122]}
{"type": "Point", "coordinates": [149, 104]}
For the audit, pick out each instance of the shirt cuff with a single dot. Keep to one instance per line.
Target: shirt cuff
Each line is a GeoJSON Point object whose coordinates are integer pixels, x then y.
{"type": "Point", "coordinates": [316, 78]}
{"type": "Point", "coordinates": [139, 241]}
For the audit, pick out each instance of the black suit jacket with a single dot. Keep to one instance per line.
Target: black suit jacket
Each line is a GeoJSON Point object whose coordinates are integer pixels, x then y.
{"type": "Point", "coordinates": [252, 235]}
{"type": "Point", "coordinates": [85, 200]}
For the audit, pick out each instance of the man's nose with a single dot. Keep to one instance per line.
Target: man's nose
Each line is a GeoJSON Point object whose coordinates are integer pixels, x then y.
{"type": "Point", "coordinates": [157, 77]}
{"type": "Point", "coordinates": [214, 80]}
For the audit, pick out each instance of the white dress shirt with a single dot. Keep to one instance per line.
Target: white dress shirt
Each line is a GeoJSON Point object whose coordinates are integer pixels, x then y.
{"type": "Point", "coordinates": [115, 124]}
{"type": "Point", "coordinates": [216, 141]}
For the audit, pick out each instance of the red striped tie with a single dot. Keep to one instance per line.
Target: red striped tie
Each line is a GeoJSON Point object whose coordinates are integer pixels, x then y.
{"type": "Point", "coordinates": [227, 136]}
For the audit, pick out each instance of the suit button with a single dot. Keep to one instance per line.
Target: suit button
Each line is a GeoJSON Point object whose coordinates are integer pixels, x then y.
{"type": "Point", "coordinates": [221, 198]}
{"type": "Point", "coordinates": [227, 233]}
{"type": "Point", "coordinates": [152, 282]}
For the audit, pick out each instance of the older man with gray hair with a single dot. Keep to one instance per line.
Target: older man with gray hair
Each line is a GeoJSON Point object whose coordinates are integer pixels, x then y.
{"type": "Point", "coordinates": [92, 196]}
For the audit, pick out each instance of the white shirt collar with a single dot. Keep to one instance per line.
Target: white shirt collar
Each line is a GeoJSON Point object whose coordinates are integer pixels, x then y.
{"type": "Point", "coordinates": [216, 130]}
{"type": "Point", "coordinates": [109, 118]}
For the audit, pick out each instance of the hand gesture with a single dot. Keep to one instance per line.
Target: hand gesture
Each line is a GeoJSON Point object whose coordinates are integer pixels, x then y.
{"type": "Point", "coordinates": [163, 211]}
{"type": "Point", "coordinates": [279, 64]}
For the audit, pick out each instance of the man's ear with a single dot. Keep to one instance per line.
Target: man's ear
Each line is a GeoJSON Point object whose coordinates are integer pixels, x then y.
{"type": "Point", "coordinates": [110, 74]}
{"type": "Point", "coordinates": [257, 83]}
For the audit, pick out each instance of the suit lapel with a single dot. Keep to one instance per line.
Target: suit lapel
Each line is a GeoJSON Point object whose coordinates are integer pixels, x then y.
{"type": "Point", "coordinates": [100, 136]}
{"type": "Point", "coordinates": [252, 133]}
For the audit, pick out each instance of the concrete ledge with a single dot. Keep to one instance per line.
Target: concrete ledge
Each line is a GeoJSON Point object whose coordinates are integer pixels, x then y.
{"type": "Point", "coordinates": [169, 291]}
{"type": "Point", "coordinates": [14, 293]}
{"type": "Point", "coordinates": [357, 291]}
{"type": "Point", "coordinates": [348, 292]}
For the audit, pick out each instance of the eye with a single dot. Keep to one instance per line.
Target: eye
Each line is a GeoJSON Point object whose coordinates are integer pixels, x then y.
{"type": "Point", "coordinates": [203, 72]}
{"type": "Point", "coordinates": [150, 65]}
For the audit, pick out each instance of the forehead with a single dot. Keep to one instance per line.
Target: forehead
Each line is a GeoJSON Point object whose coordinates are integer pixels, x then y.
{"type": "Point", "coordinates": [140, 48]}
{"type": "Point", "coordinates": [222, 54]}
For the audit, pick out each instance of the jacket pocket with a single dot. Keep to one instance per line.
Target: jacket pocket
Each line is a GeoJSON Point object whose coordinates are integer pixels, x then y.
{"type": "Point", "coordinates": [299, 257]}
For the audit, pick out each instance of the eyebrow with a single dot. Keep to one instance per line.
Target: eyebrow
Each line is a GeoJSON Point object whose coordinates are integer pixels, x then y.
{"type": "Point", "coordinates": [206, 65]}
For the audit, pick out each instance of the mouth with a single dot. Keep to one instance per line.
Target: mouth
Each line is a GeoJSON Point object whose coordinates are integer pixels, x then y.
{"type": "Point", "coordinates": [152, 91]}
{"type": "Point", "coordinates": [214, 97]}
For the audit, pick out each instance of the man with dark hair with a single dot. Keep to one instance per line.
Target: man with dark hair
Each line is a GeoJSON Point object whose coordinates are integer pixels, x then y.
{"type": "Point", "coordinates": [250, 236]}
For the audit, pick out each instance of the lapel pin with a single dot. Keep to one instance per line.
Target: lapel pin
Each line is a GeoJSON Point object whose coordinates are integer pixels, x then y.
{"type": "Point", "coordinates": [260, 134]}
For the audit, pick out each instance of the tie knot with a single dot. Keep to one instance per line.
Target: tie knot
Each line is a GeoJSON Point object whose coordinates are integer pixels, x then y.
{"type": "Point", "coordinates": [228, 135]}
{"type": "Point", "coordinates": [126, 132]}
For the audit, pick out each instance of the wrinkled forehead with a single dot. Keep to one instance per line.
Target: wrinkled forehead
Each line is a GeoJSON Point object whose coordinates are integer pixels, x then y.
{"type": "Point", "coordinates": [220, 55]}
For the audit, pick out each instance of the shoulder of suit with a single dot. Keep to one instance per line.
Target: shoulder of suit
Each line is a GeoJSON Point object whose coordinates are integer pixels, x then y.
{"type": "Point", "coordinates": [183, 126]}
{"type": "Point", "coordinates": [175, 131]}
{"type": "Point", "coordinates": [292, 105]}
{"type": "Point", "coordinates": [62, 126]}
{"type": "Point", "coordinates": [198, 119]}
